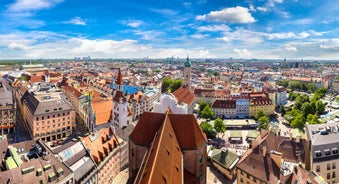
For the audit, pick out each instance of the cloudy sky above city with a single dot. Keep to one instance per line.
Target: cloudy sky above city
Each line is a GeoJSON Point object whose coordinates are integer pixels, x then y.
{"type": "Point", "coordinates": [272, 29]}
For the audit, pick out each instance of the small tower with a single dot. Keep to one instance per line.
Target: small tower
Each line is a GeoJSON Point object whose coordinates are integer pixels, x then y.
{"type": "Point", "coordinates": [187, 73]}
{"type": "Point", "coordinates": [120, 110]}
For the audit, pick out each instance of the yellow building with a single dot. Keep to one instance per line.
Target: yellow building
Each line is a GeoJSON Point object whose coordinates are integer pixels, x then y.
{"type": "Point", "coordinates": [262, 103]}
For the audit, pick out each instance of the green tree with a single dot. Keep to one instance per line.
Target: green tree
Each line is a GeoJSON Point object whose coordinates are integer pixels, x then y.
{"type": "Point", "coordinates": [166, 83]}
{"type": "Point", "coordinates": [263, 122]}
{"type": "Point", "coordinates": [298, 121]}
{"type": "Point", "coordinates": [311, 87]}
{"type": "Point", "coordinates": [282, 110]}
{"type": "Point", "coordinates": [219, 126]}
{"type": "Point", "coordinates": [283, 83]}
{"type": "Point", "coordinates": [313, 119]}
{"type": "Point", "coordinates": [307, 109]}
{"type": "Point", "coordinates": [176, 85]}
{"type": "Point", "coordinates": [207, 112]}
{"type": "Point", "coordinates": [320, 107]}
{"type": "Point", "coordinates": [208, 130]}
{"type": "Point", "coordinates": [294, 85]}
{"type": "Point", "coordinates": [259, 114]}
{"type": "Point", "coordinates": [292, 96]}
{"type": "Point", "coordinates": [202, 105]}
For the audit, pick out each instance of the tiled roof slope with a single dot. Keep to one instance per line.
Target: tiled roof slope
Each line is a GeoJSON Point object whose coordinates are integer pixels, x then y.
{"type": "Point", "coordinates": [164, 149]}
{"type": "Point", "coordinates": [183, 94]}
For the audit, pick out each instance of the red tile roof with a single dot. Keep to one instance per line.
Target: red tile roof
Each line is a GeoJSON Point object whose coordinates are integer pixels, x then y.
{"type": "Point", "coordinates": [183, 94]}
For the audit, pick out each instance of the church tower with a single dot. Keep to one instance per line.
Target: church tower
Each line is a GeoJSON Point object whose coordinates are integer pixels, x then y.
{"type": "Point", "coordinates": [187, 73]}
{"type": "Point", "coordinates": [120, 111]}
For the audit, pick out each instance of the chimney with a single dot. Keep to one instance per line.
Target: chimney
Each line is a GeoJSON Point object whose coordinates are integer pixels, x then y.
{"type": "Point", "coordinates": [264, 150]}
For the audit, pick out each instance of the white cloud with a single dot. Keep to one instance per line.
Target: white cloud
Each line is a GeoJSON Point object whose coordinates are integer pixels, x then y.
{"type": "Point", "coordinates": [230, 15]}
{"type": "Point", "coordinates": [263, 9]}
{"type": "Point", "coordinates": [31, 5]}
{"type": "Point", "coordinates": [199, 36]}
{"type": "Point", "coordinates": [133, 23]}
{"type": "Point", "coordinates": [288, 47]}
{"type": "Point", "coordinates": [166, 12]}
{"type": "Point", "coordinates": [278, 1]}
{"type": "Point", "coordinates": [242, 53]}
{"type": "Point", "coordinates": [214, 28]}
{"type": "Point", "coordinates": [76, 21]}
{"type": "Point", "coordinates": [251, 8]}
{"type": "Point", "coordinates": [17, 46]}
{"type": "Point", "coordinates": [147, 35]}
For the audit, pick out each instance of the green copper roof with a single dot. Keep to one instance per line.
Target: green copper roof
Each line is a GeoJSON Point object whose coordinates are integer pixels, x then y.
{"type": "Point", "coordinates": [188, 63]}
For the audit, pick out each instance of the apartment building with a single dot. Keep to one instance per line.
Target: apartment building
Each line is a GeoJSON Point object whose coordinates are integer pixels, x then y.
{"type": "Point", "coordinates": [7, 109]}
{"type": "Point", "coordinates": [104, 149]}
{"type": "Point", "coordinates": [322, 150]}
{"type": "Point", "coordinates": [225, 108]}
{"type": "Point", "coordinates": [49, 116]}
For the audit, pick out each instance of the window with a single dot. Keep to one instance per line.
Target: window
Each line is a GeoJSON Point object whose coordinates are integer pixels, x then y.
{"type": "Point", "coordinates": [333, 174]}
{"type": "Point", "coordinates": [254, 180]}
{"type": "Point", "coordinates": [318, 153]}
{"type": "Point", "coordinates": [328, 166]}
{"type": "Point", "coordinates": [37, 123]}
{"type": "Point", "coordinates": [318, 168]}
{"type": "Point", "coordinates": [333, 165]}
{"type": "Point", "coordinates": [248, 176]}
{"type": "Point", "coordinates": [241, 180]}
{"type": "Point", "coordinates": [335, 151]}
{"type": "Point", "coordinates": [327, 151]}
{"type": "Point", "coordinates": [328, 176]}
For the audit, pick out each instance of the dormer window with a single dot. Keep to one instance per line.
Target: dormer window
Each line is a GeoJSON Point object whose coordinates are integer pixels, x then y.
{"type": "Point", "coordinates": [327, 152]}
{"type": "Point", "coordinates": [318, 153]}
{"type": "Point", "coordinates": [335, 150]}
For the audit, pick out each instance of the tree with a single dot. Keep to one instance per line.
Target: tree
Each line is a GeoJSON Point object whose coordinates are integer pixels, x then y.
{"type": "Point", "coordinates": [320, 107]}
{"type": "Point", "coordinates": [282, 110]}
{"type": "Point", "coordinates": [298, 121]}
{"type": "Point", "coordinates": [259, 114]}
{"type": "Point", "coordinates": [176, 85]}
{"type": "Point", "coordinates": [166, 83]}
{"type": "Point", "coordinates": [219, 126]}
{"type": "Point", "coordinates": [202, 105]}
{"type": "Point", "coordinates": [207, 112]}
{"type": "Point", "coordinates": [263, 122]}
{"type": "Point", "coordinates": [313, 119]}
{"type": "Point", "coordinates": [283, 83]}
{"type": "Point", "coordinates": [294, 85]}
{"type": "Point", "coordinates": [307, 109]}
{"type": "Point", "coordinates": [208, 130]}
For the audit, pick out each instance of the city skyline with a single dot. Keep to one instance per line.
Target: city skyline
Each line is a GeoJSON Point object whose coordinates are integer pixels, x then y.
{"type": "Point", "coordinates": [272, 29]}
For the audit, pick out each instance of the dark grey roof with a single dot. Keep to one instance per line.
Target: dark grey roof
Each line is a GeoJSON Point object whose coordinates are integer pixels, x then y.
{"type": "Point", "coordinates": [37, 107]}
{"type": "Point", "coordinates": [81, 171]}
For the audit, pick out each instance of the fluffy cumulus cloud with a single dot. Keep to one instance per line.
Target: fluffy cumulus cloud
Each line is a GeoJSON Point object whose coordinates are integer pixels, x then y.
{"type": "Point", "coordinates": [31, 5]}
{"type": "Point", "coordinates": [229, 15]}
{"type": "Point", "coordinates": [76, 21]}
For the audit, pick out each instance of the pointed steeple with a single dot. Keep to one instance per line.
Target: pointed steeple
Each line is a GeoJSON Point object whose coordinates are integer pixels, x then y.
{"type": "Point", "coordinates": [188, 63]}
{"type": "Point", "coordinates": [119, 79]}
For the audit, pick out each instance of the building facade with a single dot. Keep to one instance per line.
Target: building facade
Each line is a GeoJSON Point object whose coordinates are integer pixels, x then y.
{"type": "Point", "coordinates": [49, 116]}
{"type": "Point", "coordinates": [104, 148]}
{"type": "Point", "coordinates": [225, 108]}
{"type": "Point", "coordinates": [7, 109]}
{"type": "Point", "coordinates": [322, 150]}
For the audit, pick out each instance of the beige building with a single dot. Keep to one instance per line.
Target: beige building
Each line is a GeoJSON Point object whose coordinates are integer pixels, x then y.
{"type": "Point", "coordinates": [49, 115]}
{"type": "Point", "coordinates": [322, 150]}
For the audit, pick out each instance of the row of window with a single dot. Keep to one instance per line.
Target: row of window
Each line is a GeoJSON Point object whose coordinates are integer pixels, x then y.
{"type": "Point", "coordinates": [47, 117]}
{"type": "Point", "coordinates": [328, 167]}
{"type": "Point", "coordinates": [327, 152]}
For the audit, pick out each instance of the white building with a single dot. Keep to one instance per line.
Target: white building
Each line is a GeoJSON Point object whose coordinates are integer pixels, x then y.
{"type": "Point", "coordinates": [121, 114]}
{"type": "Point", "coordinates": [169, 101]}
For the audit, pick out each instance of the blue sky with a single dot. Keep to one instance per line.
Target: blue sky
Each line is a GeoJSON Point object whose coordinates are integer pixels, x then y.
{"type": "Point", "coordinates": [273, 29]}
